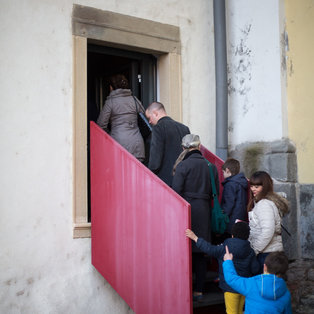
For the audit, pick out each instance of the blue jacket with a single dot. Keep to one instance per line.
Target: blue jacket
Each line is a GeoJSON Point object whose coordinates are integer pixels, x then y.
{"type": "Point", "coordinates": [234, 198]}
{"type": "Point", "coordinates": [264, 294]}
{"type": "Point", "coordinates": [244, 257]}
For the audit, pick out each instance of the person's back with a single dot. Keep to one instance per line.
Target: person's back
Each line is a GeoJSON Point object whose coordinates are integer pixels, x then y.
{"type": "Point", "coordinates": [196, 183]}
{"type": "Point", "coordinates": [244, 259]}
{"type": "Point", "coordinates": [165, 144]}
{"type": "Point", "coordinates": [266, 293]}
{"type": "Point", "coordinates": [234, 195]}
{"type": "Point", "coordinates": [120, 110]}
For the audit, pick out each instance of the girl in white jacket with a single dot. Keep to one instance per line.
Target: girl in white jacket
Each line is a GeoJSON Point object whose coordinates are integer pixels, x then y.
{"type": "Point", "coordinates": [265, 211]}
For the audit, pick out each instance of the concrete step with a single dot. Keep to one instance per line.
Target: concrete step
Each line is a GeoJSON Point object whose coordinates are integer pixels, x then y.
{"type": "Point", "coordinates": [212, 296]}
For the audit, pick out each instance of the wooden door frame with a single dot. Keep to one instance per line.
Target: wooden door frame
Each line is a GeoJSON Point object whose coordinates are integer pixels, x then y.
{"type": "Point", "coordinates": [90, 25]}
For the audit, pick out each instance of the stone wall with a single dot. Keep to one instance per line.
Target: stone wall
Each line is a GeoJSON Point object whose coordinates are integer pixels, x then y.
{"type": "Point", "coordinates": [301, 286]}
{"type": "Point", "coordinates": [278, 158]}
{"type": "Point", "coordinates": [307, 220]}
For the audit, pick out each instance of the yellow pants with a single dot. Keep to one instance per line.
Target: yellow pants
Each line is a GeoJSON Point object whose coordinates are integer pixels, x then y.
{"type": "Point", "coordinates": [234, 302]}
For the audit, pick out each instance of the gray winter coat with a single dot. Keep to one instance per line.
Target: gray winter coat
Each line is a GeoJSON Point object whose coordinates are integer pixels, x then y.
{"type": "Point", "coordinates": [120, 111]}
{"type": "Point", "coordinates": [265, 224]}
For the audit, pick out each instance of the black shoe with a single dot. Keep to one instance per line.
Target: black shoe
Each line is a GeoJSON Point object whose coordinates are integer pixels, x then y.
{"type": "Point", "coordinates": [198, 298]}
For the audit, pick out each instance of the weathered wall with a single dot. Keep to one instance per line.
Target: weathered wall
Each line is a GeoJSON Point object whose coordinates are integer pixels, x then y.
{"type": "Point", "coordinates": [45, 270]}
{"type": "Point", "coordinates": [254, 70]}
{"type": "Point", "coordinates": [300, 69]}
{"type": "Point", "coordinates": [278, 158]}
{"type": "Point", "coordinates": [300, 94]}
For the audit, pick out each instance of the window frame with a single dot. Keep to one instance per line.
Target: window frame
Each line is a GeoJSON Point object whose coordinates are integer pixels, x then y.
{"type": "Point", "coordinates": [90, 25]}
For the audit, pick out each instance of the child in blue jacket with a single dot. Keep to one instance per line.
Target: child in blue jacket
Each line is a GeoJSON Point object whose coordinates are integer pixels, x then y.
{"type": "Point", "coordinates": [244, 259]}
{"type": "Point", "coordinates": [266, 293]}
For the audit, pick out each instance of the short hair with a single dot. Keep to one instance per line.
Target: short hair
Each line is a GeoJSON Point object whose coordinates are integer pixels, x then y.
{"type": "Point", "coordinates": [156, 105]}
{"type": "Point", "coordinates": [119, 81]}
{"type": "Point", "coordinates": [241, 230]}
{"type": "Point", "coordinates": [277, 263]}
{"type": "Point", "coordinates": [233, 165]}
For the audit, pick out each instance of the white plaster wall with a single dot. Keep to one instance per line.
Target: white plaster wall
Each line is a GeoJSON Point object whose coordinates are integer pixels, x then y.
{"type": "Point", "coordinates": [43, 269]}
{"type": "Point", "coordinates": [195, 19]}
{"type": "Point", "coordinates": [254, 71]}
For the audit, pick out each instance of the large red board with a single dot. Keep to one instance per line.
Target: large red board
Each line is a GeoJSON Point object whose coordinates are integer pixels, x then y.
{"type": "Point", "coordinates": [138, 231]}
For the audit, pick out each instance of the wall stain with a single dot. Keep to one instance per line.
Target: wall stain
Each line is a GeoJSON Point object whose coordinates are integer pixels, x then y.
{"type": "Point", "coordinates": [240, 71]}
{"type": "Point", "coordinates": [291, 69]}
{"type": "Point", "coordinates": [305, 200]}
{"type": "Point", "coordinates": [10, 282]}
{"type": "Point", "coordinates": [19, 293]}
{"type": "Point", "coordinates": [284, 46]}
{"type": "Point", "coordinates": [251, 162]}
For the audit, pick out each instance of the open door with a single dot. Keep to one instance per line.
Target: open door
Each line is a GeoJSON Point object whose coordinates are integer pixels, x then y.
{"type": "Point", "coordinates": [102, 63]}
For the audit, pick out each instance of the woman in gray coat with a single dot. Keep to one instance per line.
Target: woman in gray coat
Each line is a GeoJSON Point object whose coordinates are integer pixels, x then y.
{"type": "Point", "coordinates": [120, 110]}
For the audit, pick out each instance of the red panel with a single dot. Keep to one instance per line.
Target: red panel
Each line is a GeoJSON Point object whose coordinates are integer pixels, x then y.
{"type": "Point", "coordinates": [138, 231]}
{"type": "Point", "coordinates": [217, 162]}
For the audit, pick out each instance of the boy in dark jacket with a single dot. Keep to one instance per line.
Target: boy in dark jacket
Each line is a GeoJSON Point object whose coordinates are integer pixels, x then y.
{"type": "Point", "coordinates": [234, 194]}
{"type": "Point", "coordinates": [245, 261]}
{"type": "Point", "coordinates": [266, 293]}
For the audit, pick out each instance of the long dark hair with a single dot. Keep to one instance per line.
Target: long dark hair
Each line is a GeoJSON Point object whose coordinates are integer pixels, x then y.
{"type": "Point", "coordinates": [263, 179]}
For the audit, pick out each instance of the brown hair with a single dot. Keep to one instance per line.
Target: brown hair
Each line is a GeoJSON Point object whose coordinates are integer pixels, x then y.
{"type": "Point", "coordinates": [119, 81]}
{"type": "Point", "coordinates": [264, 179]}
{"type": "Point", "coordinates": [277, 263]}
{"type": "Point", "coordinates": [233, 165]}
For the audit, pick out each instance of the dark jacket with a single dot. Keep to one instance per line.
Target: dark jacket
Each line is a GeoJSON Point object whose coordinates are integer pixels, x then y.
{"type": "Point", "coordinates": [244, 258]}
{"type": "Point", "coordinates": [165, 147]}
{"type": "Point", "coordinates": [192, 182]}
{"type": "Point", "coordinates": [234, 198]}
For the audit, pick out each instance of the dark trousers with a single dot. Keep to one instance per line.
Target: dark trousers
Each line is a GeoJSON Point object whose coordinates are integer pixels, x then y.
{"type": "Point", "coordinates": [199, 266]}
{"type": "Point", "coordinates": [261, 260]}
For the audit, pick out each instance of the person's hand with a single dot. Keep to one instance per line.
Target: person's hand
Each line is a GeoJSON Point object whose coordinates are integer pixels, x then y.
{"type": "Point", "coordinates": [228, 256]}
{"type": "Point", "coordinates": [190, 234]}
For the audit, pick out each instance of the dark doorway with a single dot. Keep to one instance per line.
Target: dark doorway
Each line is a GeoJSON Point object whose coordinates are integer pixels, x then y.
{"type": "Point", "coordinates": [102, 63]}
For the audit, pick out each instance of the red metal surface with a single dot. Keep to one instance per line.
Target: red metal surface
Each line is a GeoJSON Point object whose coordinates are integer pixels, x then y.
{"type": "Point", "coordinates": [138, 231]}
{"type": "Point", "coordinates": [218, 162]}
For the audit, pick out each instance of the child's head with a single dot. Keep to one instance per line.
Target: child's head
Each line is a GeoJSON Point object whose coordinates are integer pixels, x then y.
{"type": "Point", "coordinates": [231, 167]}
{"type": "Point", "coordinates": [241, 230]}
{"type": "Point", "coordinates": [277, 263]}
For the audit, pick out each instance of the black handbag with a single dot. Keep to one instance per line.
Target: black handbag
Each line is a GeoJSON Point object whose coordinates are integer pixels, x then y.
{"type": "Point", "coordinates": [143, 124]}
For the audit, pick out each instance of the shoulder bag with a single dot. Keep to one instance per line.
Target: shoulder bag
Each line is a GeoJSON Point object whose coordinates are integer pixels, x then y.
{"type": "Point", "coordinates": [219, 220]}
{"type": "Point", "coordinates": [143, 124]}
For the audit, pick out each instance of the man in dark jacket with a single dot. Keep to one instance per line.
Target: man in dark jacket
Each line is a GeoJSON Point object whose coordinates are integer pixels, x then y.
{"type": "Point", "coordinates": [244, 259]}
{"type": "Point", "coordinates": [234, 194]}
{"type": "Point", "coordinates": [166, 139]}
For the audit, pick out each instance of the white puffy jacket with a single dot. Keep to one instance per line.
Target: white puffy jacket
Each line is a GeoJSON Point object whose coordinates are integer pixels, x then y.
{"type": "Point", "coordinates": [265, 225]}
